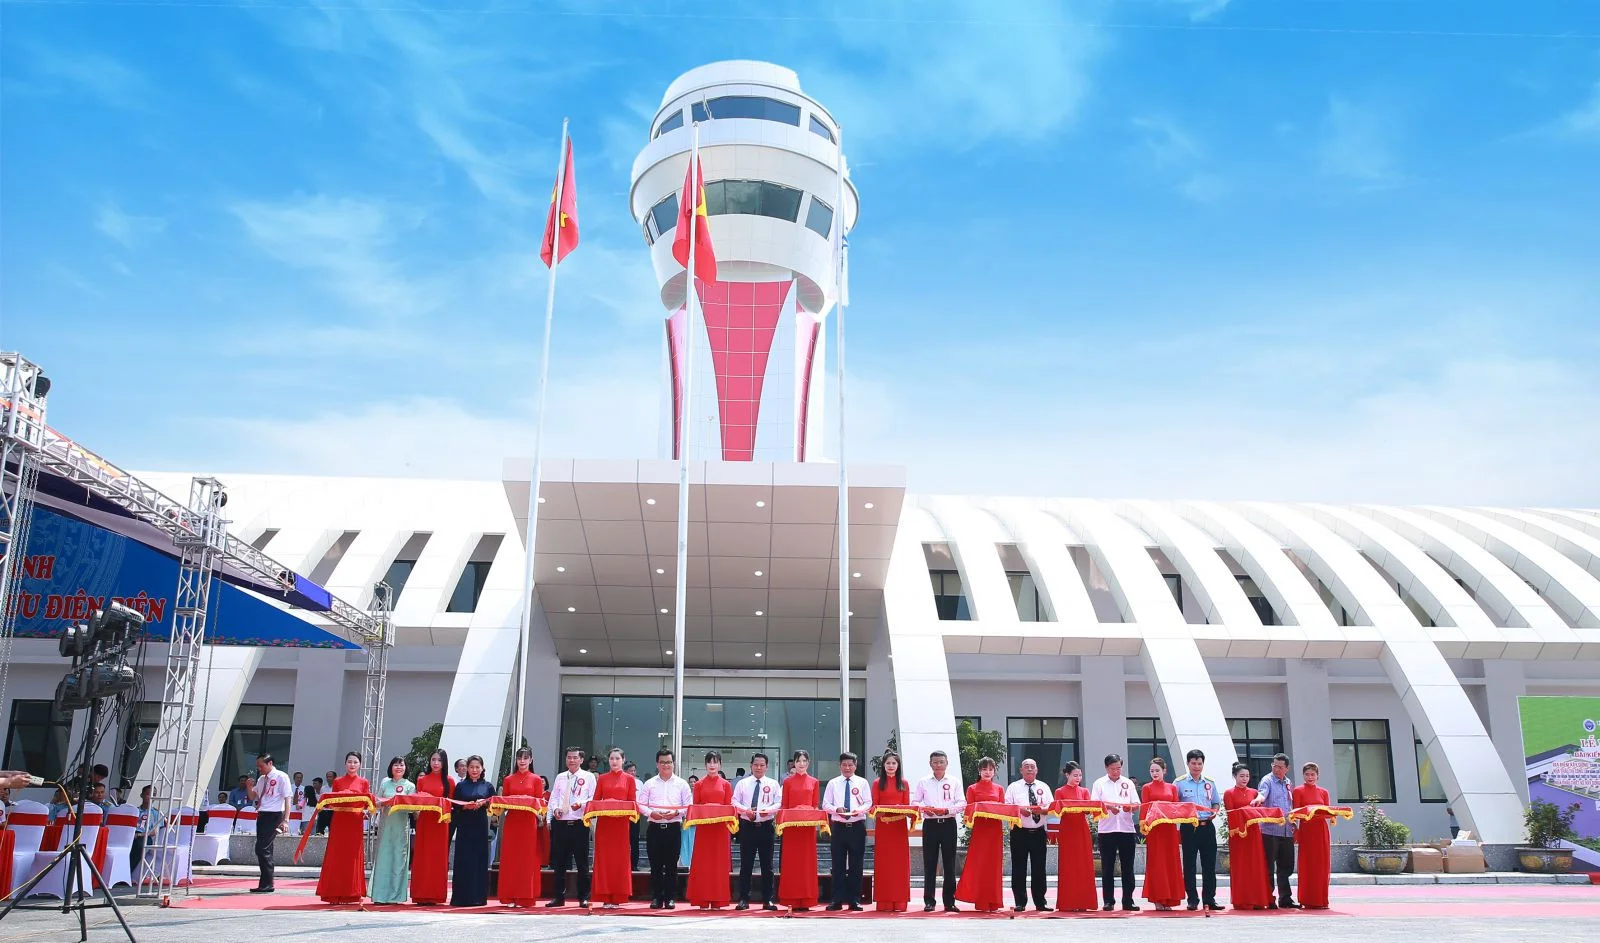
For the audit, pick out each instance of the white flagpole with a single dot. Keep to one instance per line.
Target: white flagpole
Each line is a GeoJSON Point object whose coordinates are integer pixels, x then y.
{"type": "Point", "coordinates": [685, 422]}
{"type": "Point", "coordinates": [538, 448]}
{"type": "Point", "coordinates": [844, 475]}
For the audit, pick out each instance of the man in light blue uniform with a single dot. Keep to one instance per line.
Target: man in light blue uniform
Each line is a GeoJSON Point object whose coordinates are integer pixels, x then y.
{"type": "Point", "coordinates": [1200, 841]}
{"type": "Point", "coordinates": [1277, 792]}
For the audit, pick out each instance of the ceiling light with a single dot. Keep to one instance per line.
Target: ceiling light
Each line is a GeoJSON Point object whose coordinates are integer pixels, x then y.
{"type": "Point", "coordinates": [659, 571]}
{"type": "Point", "coordinates": [868, 505]}
{"type": "Point", "coordinates": [761, 504]}
{"type": "Point", "coordinates": [760, 613]}
{"type": "Point", "coordinates": [758, 572]}
{"type": "Point", "coordinates": [572, 608]}
{"type": "Point", "coordinates": [561, 569]}
{"type": "Point", "coordinates": [583, 651]}
{"type": "Point", "coordinates": [650, 501]}
{"type": "Point", "coordinates": [669, 651]}
{"type": "Point", "coordinates": [856, 575]}
{"type": "Point", "coordinates": [541, 500]}
{"type": "Point", "coordinates": [663, 612]}
{"type": "Point", "coordinates": [850, 612]}
{"type": "Point", "coordinates": [758, 654]}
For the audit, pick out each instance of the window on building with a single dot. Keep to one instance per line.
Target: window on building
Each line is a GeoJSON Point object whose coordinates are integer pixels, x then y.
{"type": "Point", "coordinates": [819, 218]}
{"type": "Point", "coordinates": [1025, 593]}
{"type": "Point", "coordinates": [1257, 740]}
{"type": "Point", "coordinates": [1362, 761]}
{"type": "Point", "coordinates": [137, 737]}
{"type": "Point", "coordinates": [665, 214]}
{"type": "Point", "coordinates": [973, 719]}
{"type": "Point", "coordinates": [673, 122]}
{"type": "Point", "coordinates": [1258, 601]}
{"type": "Point", "coordinates": [948, 597]}
{"type": "Point", "coordinates": [649, 237]}
{"type": "Point", "coordinates": [1175, 585]}
{"type": "Point", "coordinates": [1146, 739]}
{"type": "Point", "coordinates": [820, 129]}
{"type": "Point", "coordinates": [469, 587]}
{"type": "Point", "coordinates": [330, 558]}
{"type": "Point", "coordinates": [1051, 741]}
{"type": "Point", "coordinates": [405, 562]}
{"type": "Point", "coordinates": [1428, 785]}
{"type": "Point", "coordinates": [257, 729]}
{"type": "Point", "coordinates": [37, 737]}
{"type": "Point", "coordinates": [746, 106]}
{"type": "Point", "coordinates": [752, 198]}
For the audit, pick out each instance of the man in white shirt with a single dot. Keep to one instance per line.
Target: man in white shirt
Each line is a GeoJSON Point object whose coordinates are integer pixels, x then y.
{"type": "Point", "coordinates": [1117, 837]}
{"type": "Point", "coordinates": [1028, 840]}
{"type": "Point", "coordinates": [270, 791]}
{"type": "Point", "coordinates": [569, 837]}
{"type": "Point", "coordinates": [847, 800]}
{"type": "Point", "coordinates": [756, 800]}
{"type": "Point", "coordinates": [941, 800]}
{"type": "Point", "coordinates": [664, 799]}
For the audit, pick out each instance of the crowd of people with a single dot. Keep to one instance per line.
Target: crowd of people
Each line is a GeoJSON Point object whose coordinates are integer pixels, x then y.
{"type": "Point", "coordinates": [434, 835]}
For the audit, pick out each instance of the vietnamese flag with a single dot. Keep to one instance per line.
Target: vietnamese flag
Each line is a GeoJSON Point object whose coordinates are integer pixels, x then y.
{"type": "Point", "coordinates": [562, 226]}
{"type": "Point", "coordinates": [692, 211]}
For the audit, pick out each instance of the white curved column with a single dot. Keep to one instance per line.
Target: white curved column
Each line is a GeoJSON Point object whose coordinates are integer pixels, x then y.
{"type": "Point", "coordinates": [1174, 668]}
{"type": "Point", "coordinates": [1570, 590]}
{"type": "Point", "coordinates": [924, 706]}
{"type": "Point", "coordinates": [1469, 767]}
{"type": "Point", "coordinates": [1227, 609]}
{"type": "Point", "coordinates": [1297, 605]}
{"type": "Point", "coordinates": [1043, 543]}
{"type": "Point", "coordinates": [973, 537]}
{"type": "Point", "coordinates": [1586, 521]}
{"type": "Point", "coordinates": [1573, 542]}
{"type": "Point", "coordinates": [1523, 617]}
{"type": "Point", "coordinates": [1458, 621]}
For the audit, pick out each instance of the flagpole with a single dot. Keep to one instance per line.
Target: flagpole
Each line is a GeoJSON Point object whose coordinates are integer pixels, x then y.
{"type": "Point", "coordinates": [844, 475]}
{"type": "Point", "coordinates": [538, 444]}
{"type": "Point", "coordinates": [685, 422]}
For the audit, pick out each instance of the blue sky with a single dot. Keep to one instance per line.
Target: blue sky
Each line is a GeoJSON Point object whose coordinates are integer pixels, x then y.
{"type": "Point", "coordinates": [1284, 249]}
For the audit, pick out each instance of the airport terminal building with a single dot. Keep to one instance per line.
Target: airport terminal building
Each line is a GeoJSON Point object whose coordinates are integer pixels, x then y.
{"type": "Point", "coordinates": [1388, 644]}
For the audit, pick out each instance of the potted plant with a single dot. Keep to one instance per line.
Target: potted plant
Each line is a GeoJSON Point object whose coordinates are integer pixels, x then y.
{"type": "Point", "coordinates": [1383, 841]}
{"type": "Point", "coordinates": [1548, 825]}
{"type": "Point", "coordinates": [1224, 860]}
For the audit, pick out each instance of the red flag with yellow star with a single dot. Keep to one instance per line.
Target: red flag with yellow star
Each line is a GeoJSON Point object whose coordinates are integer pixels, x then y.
{"type": "Point", "coordinates": [561, 228]}
{"type": "Point", "coordinates": [692, 212]}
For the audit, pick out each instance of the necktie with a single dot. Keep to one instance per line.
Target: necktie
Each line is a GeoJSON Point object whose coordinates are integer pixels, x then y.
{"type": "Point", "coordinates": [847, 797]}
{"type": "Point", "coordinates": [1033, 799]}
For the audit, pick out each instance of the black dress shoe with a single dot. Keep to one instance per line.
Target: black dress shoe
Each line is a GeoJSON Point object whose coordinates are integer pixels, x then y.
{"type": "Point", "coordinates": [743, 905]}
{"type": "Point", "coordinates": [1271, 905]}
{"type": "Point", "coordinates": [857, 908]}
{"type": "Point", "coordinates": [558, 902]}
{"type": "Point", "coordinates": [927, 908]}
{"type": "Point", "coordinates": [1129, 905]}
{"type": "Point", "coordinates": [583, 903]}
{"type": "Point", "coordinates": [1044, 908]}
{"type": "Point", "coordinates": [655, 905]}
{"type": "Point", "coordinates": [950, 909]}
{"type": "Point", "coordinates": [670, 905]}
{"type": "Point", "coordinates": [262, 890]}
{"type": "Point", "coordinates": [1213, 905]}
{"type": "Point", "coordinates": [1192, 907]}
{"type": "Point", "coordinates": [835, 907]}
{"type": "Point", "coordinates": [1108, 907]}
{"type": "Point", "coordinates": [1018, 910]}
{"type": "Point", "coordinates": [1290, 905]}
{"type": "Point", "coordinates": [769, 905]}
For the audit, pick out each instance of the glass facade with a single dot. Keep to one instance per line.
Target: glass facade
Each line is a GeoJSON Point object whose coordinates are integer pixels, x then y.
{"type": "Point", "coordinates": [738, 727]}
{"type": "Point", "coordinates": [820, 129]}
{"type": "Point", "coordinates": [257, 729]}
{"type": "Point", "coordinates": [819, 218]}
{"type": "Point", "coordinates": [747, 106]}
{"type": "Point", "coordinates": [752, 198]}
{"type": "Point", "coordinates": [469, 587]}
{"type": "Point", "coordinates": [1146, 739]}
{"type": "Point", "coordinates": [673, 122]}
{"type": "Point", "coordinates": [1362, 760]}
{"type": "Point", "coordinates": [948, 597]}
{"type": "Point", "coordinates": [1048, 741]}
{"type": "Point", "coordinates": [1257, 740]}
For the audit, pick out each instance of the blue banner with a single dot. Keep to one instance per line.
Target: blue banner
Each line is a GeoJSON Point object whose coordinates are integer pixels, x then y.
{"type": "Point", "coordinates": [72, 568]}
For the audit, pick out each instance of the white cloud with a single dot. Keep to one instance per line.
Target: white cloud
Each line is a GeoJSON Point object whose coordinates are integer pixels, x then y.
{"type": "Point", "coordinates": [98, 75]}
{"type": "Point", "coordinates": [956, 73]}
{"type": "Point", "coordinates": [1173, 155]}
{"type": "Point", "coordinates": [1202, 9]}
{"type": "Point", "coordinates": [1584, 120]}
{"type": "Point", "coordinates": [1356, 143]}
{"type": "Point", "coordinates": [125, 229]}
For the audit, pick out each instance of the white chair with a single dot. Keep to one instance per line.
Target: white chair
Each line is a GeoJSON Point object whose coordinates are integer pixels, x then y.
{"type": "Point", "coordinates": [245, 822]}
{"type": "Point", "coordinates": [183, 870]}
{"type": "Point", "coordinates": [26, 824]}
{"type": "Point", "coordinates": [54, 882]}
{"type": "Point", "coordinates": [211, 844]}
{"type": "Point", "coordinates": [122, 824]}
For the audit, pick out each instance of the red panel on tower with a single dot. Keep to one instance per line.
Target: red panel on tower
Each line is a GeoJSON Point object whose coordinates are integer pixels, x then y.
{"type": "Point", "coordinates": [740, 320]}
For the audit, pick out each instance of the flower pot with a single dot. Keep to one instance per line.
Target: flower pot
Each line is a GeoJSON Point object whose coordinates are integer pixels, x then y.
{"type": "Point", "coordinates": [1545, 860]}
{"type": "Point", "coordinates": [1382, 860]}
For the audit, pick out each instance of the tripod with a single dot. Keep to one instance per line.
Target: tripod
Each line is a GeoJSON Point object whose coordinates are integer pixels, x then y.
{"type": "Point", "coordinates": [75, 857]}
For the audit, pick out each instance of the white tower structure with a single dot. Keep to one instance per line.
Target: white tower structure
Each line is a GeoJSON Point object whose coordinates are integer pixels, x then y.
{"type": "Point", "coordinates": [772, 164]}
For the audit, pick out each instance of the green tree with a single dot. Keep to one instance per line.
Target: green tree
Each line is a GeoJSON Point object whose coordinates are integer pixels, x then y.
{"type": "Point", "coordinates": [976, 744]}
{"type": "Point", "coordinates": [892, 746]}
{"type": "Point", "coordinates": [423, 745]}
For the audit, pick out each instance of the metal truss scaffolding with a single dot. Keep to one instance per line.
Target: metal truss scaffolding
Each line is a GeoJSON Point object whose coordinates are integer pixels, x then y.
{"type": "Point", "coordinates": [200, 535]}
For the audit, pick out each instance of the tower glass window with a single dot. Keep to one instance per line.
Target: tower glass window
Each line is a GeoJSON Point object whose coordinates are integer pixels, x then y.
{"type": "Point", "coordinates": [672, 123]}
{"type": "Point", "coordinates": [665, 214]}
{"type": "Point", "coordinates": [747, 106]}
{"type": "Point", "coordinates": [752, 198]}
{"type": "Point", "coordinates": [821, 130]}
{"type": "Point", "coordinates": [819, 218]}
{"type": "Point", "coordinates": [948, 597]}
